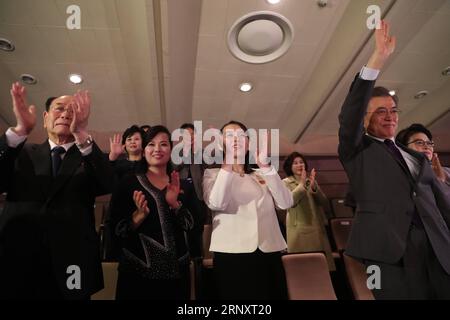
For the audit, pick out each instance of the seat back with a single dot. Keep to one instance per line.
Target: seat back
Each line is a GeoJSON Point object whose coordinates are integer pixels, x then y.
{"type": "Point", "coordinates": [357, 278]}
{"type": "Point", "coordinates": [307, 277]}
{"type": "Point", "coordinates": [340, 210]}
{"type": "Point", "coordinates": [110, 275]}
{"type": "Point", "coordinates": [207, 255]}
{"type": "Point", "coordinates": [340, 229]}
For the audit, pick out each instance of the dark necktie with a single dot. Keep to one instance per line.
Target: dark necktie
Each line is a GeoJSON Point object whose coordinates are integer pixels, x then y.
{"type": "Point", "coordinates": [395, 152]}
{"type": "Point", "coordinates": [56, 159]}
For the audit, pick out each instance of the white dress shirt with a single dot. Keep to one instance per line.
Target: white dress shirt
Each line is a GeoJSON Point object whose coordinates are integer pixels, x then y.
{"type": "Point", "coordinates": [13, 140]}
{"type": "Point", "coordinates": [244, 216]}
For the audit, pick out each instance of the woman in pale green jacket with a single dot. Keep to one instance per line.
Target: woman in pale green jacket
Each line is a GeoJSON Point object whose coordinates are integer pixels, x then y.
{"type": "Point", "coordinates": [305, 221]}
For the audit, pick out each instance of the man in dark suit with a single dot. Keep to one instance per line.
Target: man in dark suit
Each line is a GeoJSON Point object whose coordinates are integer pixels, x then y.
{"type": "Point", "coordinates": [402, 216]}
{"type": "Point", "coordinates": [191, 176]}
{"type": "Point", "coordinates": [48, 245]}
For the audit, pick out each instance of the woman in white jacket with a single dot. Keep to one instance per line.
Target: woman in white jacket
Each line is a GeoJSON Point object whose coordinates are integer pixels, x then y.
{"type": "Point", "coordinates": [246, 238]}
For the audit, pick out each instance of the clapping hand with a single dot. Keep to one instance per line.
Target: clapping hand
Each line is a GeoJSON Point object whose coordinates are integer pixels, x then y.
{"type": "Point", "coordinates": [173, 190]}
{"type": "Point", "coordinates": [25, 115]}
{"type": "Point", "coordinates": [141, 203]}
{"type": "Point", "coordinates": [81, 107]}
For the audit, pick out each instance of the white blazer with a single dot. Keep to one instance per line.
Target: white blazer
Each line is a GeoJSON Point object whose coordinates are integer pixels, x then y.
{"type": "Point", "coordinates": [244, 216]}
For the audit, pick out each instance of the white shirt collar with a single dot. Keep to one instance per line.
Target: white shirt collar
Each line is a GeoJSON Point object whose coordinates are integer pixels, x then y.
{"type": "Point", "coordinates": [381, 139]}
{"type": "Point", "coordinates": [66, 146]}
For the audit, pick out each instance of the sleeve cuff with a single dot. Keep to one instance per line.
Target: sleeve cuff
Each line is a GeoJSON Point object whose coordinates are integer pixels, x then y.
{"type": "Point", "coordinates": [13, 139]}
{"type": "Point", "coordinates": [369, 73]}
{"type": "Point", "coordinates": [269, 171]}
{"type": "Point", "coordinates": [86, 151]}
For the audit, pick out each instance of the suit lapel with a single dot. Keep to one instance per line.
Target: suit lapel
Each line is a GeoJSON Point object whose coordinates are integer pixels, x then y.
{"type": "Point", "coordinates": [40, 157]}
{"type": "Point", "coordinates": [420, 158]}
{"type": "Point", "coordinates": [400, 163]}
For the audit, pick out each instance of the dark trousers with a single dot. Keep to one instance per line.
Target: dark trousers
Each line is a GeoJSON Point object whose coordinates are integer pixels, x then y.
{"type": "Point", "coordinates": [249, 276]}
{"type": "Point", "coordinates": [22, 277]}
{"type": "Point", "coordinates": [133, 286]}
{"type": "Point", "coordinates": [418, 275]}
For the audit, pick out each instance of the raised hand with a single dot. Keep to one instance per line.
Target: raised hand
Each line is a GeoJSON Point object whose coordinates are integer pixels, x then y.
{"type": "Point", "coordinates": [261, 155]}
{"type": "Point", "coordinates": [25, 115]}
{"type": "Point", "coordinates": [81, 107]}
{"type": "Point", "coordinates": [437, 168]}
{"type": "Point", "coordinates": [115, 147]}
{"type": "Point", "coordinates": [173, 190]}
{"type": "Point", "coordinates": [141, 203]}
{"type": "Point", "coordinates": [384, 46]}
{"type": "Point", "coordinates": [312, 180]}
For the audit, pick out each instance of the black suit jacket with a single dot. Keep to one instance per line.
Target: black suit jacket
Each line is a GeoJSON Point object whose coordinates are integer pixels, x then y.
{"type": "Point", "coordinates": [385, 192]}
{"type": "Point", "coordinates": [52, 216]}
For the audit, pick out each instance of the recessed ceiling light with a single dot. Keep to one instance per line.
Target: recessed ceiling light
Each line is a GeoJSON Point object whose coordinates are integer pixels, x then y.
{"type": "Point", "coordinates": [446, 71]}
{"type": "Point", "coordinates": [6, 45]}
{"type": "Point", "coordinates": [273, 1]}
{"type": "Point", "coordinates": [322, 3]}
{"type": "Point", "coordinates": [245, 87]}
{"type": "Point", "coordinates": [421, 94]}
{"type": "Point", "coordinates": [392, 92]}
{"type": "Point", "coordinates": [75, 78]}
{"type": "Point", "coordinates": [28, 78]}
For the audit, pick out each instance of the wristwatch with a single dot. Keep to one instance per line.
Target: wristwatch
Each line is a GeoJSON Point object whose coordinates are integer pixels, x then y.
{"type": "Point", "coordinates": [89, 141]}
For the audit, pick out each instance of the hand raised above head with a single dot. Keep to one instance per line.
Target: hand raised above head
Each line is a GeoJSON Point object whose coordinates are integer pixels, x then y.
{"type": "Point", "coordinates": [25, 114]}
{"type": "Point", "coordinates": [384, 46]}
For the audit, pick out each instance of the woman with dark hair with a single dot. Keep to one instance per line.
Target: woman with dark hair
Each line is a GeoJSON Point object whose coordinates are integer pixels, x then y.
{"type": "Point", "coordinates": [246, 238]}
{"type": "Point", "coordinates": [417, 137]}
{"type": "Point", "coordinates": [132, 143]}
{"type": "Point", "coordinates": [150, 221]}
{"type": "Point", "coordinates": [305, 221]}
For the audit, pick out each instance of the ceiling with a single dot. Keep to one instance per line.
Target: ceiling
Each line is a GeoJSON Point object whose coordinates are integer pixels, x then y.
{"type": "Point", "coordinates": [167, 62]}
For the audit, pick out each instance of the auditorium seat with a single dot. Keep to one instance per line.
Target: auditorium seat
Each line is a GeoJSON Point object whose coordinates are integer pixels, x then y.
{"type": "Point", "coordinates": [207, 255]}
{"type": "Point", "coordinates": [340, 210]}
{"type": "Point", "coordinates": [340, 229]}
{"type": "Point", "coordinates": [357, 278]}
{"type": "Point", "coordinates": [110, 278]}
{"type": "Point", "coordinates": [307, 277]}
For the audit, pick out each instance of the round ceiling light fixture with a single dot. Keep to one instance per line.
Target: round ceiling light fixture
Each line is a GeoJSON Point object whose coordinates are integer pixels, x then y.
{"type": "Point", "coordinates": [75, 78]}
{"type": "Point", "coordinates": [6, 45]}
{"type": "Point", "coordinates": [260, 37]}
{"type": "Point", "coordinates": [245, 87]}
{"type": "Point", "coordinates": [273, 1]}
{"type": "Point", "coordinates": [421, 94]}
{"type": "Point", "coordinates": [392, 93]}
{"type": "Point", "coordinates": [446, 71]}
{"type": "Point", "coordinates": [28, 78]}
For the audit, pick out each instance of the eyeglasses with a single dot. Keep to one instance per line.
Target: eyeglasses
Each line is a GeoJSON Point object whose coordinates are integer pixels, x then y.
{"type": "Point", "coordinates": [383, 112]}
{"type": "Point", "coordinates": [422, 143]}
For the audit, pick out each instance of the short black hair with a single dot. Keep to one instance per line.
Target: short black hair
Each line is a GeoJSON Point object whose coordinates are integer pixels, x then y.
{"type": "Point", "coordinates": [145, 127]}
{"type": "Point", "coordinates": [130, 131]}
{"type": "Point", "coordinates": [383, 92]}
{"type": "Point", "coordinates": [247, 166]}
{"type": "Point", "coordinates": [49, 102]}
{"type": "Point", "coordinates": [187, 126]}
{"type": "Point", "coordinates": [404, 135]}
{"type": "Point", "coordinates": [287, 166]}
